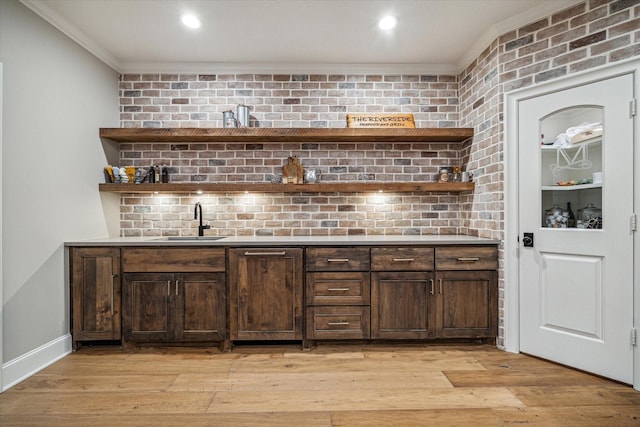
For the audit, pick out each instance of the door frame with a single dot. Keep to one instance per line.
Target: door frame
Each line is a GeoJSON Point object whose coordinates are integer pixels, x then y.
{"type": "Point", "coordinates": [511, 151]}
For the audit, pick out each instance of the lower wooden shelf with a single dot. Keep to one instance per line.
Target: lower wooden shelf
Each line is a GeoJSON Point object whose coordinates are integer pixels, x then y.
{"type": "Point", "coordinates": [326, 187]}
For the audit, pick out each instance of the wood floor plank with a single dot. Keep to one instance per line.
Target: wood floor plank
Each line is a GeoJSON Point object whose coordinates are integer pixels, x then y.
{"type": "Point", "coordinates": [381, 398]}
{"type": "Point", "coordinates": [584, 416]}
{"type": "Point", "coordinates": [510, 378]}
{"type": "Point", "coordinates": [570, 396]}
{"type": "Point", "coordinates": [413, 418]}
{"type": "Point", "coordinates": [104, 403]}
{"type": "Point", "coordinates": [397, 364]}
{"type": "Point", "coordinates": [306, 419]}
{"type": "Point", "coordinates": [45, 383]}
{"type": "Point", "coordinates": [267, 382]}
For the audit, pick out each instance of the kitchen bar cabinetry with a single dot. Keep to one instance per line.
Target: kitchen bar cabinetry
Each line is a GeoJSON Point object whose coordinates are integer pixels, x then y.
{"type": "Point", "coordinates": [265, 293]}
{"type": "Point", "coordinates": [174, 295]}
{"type": "Point", "coordinates": [184, 294]}
{"type": "Point", "coordinates": [95, 294]}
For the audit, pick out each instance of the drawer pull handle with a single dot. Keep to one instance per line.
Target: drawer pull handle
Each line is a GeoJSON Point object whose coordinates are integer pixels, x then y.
{"type": "Point", "coordinates": [468, 259]}
{"type": "Point", "coordinates": [113, 280]}
{"type": "Point", "coordinates": [283, 253]}
{"type": "Point", "coordinates": [432, 289]}
{"type": "Point", "coordinates": [337, 323]}
{"type": "Point", "coordinates": [403, 259]}
{"type": "Point", "coordinates": [338, 260]}
{"type": "Point", "coordinates": [338, 289]}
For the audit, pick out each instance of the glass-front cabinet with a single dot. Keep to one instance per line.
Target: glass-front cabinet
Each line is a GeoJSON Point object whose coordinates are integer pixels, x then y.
{"type": "Point", "coordinates": [572, 179]}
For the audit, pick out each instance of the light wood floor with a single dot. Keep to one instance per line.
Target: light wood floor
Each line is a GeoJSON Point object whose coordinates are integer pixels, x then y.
{"type": "Point", "coordinates": [416, 385]}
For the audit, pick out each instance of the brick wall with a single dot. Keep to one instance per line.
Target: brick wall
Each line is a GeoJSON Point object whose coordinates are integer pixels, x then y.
{"type": "Point", "coordinates": [290, 100]}
{"type": "Point", "coordinates": [586, 35]}
{"type": "Point", "coordinates": [184, 100]}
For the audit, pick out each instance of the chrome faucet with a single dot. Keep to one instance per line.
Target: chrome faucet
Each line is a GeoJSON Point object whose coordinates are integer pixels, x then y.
{"type": "Point", "coordinates": [201, 227]}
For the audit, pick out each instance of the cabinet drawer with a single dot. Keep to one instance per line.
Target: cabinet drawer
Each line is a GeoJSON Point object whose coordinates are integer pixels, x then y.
{"type": "Point", "coordinates": [402, 259]}
{"type": "Point", "coordinates": [467, 258]}
{"type": "Point", "coordinates": [338, 322]}
{"type": "Point", "coordinates": [173, 260]}
{"type": "Point", "coordinates": [335, 288]}
{"type": "Point", "coordinates": [337, 259]}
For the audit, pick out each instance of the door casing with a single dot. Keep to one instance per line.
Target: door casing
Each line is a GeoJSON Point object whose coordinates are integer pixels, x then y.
{"type": "Point", "coordinates": [511, 173]}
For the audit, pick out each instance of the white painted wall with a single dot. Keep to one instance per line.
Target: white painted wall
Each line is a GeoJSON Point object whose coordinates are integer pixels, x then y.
{"type": "Point", "coordinates": [55, 97]}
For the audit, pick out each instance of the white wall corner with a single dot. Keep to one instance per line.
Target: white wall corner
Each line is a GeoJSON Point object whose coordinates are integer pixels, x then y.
{"type": "Point", "coordinates": [22, 367]}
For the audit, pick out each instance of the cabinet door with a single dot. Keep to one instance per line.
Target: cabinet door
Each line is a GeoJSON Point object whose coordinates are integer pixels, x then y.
{"type": "Point", "coordinates": [95, 283]}
{"type": "Point", "coordinates": [402, 305]}
{"type": "Point", "coordinates": [200, 307]}
{"type": "Point", "coordinates": [467, 304]}
{"type": "Point", "coordinates": [147, 313]}
{"type": "Point", "coordinates": [266, 293]}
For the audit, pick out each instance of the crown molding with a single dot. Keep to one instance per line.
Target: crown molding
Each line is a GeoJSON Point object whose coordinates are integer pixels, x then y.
{"type": "Point", "coordinates": [72, 31]}
{"type": "Point", "coordinates": [284, 68]}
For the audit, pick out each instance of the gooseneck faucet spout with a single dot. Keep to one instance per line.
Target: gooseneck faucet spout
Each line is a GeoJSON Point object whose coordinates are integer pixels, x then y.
{"type": "Point", "coordinates": [198, 210]}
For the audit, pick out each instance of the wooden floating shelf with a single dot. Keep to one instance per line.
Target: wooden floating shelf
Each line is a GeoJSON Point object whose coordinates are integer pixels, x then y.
{"type": "Point", "coordinates": [259, 135]}
{"type": "Point", "coordinates": [343, 187]}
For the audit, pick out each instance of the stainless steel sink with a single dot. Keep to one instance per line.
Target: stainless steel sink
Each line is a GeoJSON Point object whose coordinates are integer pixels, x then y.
{"type": "Point", "coordinates": [187, 238]}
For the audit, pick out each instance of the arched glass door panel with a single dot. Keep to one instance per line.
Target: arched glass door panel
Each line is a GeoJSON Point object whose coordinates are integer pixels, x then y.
{"type": "Point", "coordinates": [571, 175]}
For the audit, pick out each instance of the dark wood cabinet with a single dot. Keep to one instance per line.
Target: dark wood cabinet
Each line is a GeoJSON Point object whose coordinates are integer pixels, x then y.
{"type": "Point", "coordinates": [174, 307]}
{"type": "Point", "coordinates": [456, 300]}
{"type": "Point", "coordinates": [338, 293]}
{"type": "Point", "coordinates": [95, 294]}
{"type": "Point", "coordinates": [402, 305]}
{"type": "Point", "coordinates": [182, 295]}
{"type": "Point", "coordinates": [467, 304]}
{"type": "Point", "coordinates": [402, 293]}
{"type": "Point", "coordinates": [467, 291]}
{"type": "Point", "coordinates": [173, 295]}
{"type": "Point", "coordinates": [265, 293]}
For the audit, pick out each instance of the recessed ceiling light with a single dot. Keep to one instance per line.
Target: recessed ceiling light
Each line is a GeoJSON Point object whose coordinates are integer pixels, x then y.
{"type": "Point", "coordinates": [387, 23]}
{"type": "Point", "coordinates": [190, 21]}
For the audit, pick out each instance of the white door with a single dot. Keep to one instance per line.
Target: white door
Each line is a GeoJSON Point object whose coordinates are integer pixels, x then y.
{"type": "Point", "coordinates": [576, 284]}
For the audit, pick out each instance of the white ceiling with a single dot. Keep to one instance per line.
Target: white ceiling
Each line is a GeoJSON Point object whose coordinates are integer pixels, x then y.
{"type": "Point", "coordinates": [432, 36]}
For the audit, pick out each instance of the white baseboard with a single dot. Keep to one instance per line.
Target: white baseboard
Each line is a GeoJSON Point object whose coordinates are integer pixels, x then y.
{"type": "Point", "coordinates": [22, 367]}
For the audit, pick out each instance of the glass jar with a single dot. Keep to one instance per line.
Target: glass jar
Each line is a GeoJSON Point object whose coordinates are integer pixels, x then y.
{"type": "Point", "coordinates": [556, 217]}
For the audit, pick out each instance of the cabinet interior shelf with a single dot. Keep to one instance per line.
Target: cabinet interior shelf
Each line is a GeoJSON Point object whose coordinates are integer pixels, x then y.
{"type": "Point", "coordinates": [333, 187]}
{"type": "Point", "coordinates": [303, 135]}
{"type": "Point", "coordinates": [570, 187]}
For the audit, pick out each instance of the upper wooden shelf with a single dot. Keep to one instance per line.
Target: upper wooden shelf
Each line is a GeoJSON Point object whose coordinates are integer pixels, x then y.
{"type": "Point", "coordinates": [322, 187]}
{"type": "Point", "coordinates": [249, 135]}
